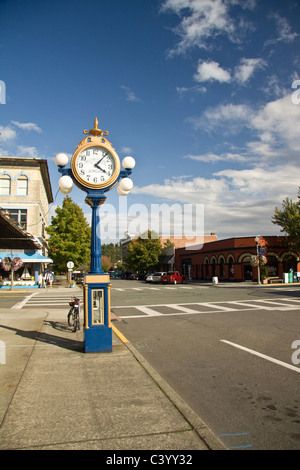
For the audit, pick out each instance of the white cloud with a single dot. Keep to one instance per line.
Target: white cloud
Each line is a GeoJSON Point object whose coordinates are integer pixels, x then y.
{"type": "Point", "coordinates": [229, 118]}
{"type": "Point", "coordinates": [214, 158]}
{"type": "Point", "coordinates": [209, 71]}
{"type": "Point", "coordinates": [284, 31]}
{"type": "Point", "coordinates": [7, 134]}
{"type": "Point", "coordinates": [202, 20]}
{"type": "Point", "coordinates": [130, 95]}
{"type": "Point", "coordinates": [27, 126]}
{"type": "Point", "coordinates": [212, 71]}
{"type": "Point", "coordinates": [278, 122]}
{"type": "Point", "coordinates": [247, 68]}
{"type": "Point", "coordinates": [206, 18]}
{"type": "Point", "coordinates": [27, 151]}
{"type": "Point", "coordinates": [126, 150]}
{"type": "Point", "coordinates": [235, 202]}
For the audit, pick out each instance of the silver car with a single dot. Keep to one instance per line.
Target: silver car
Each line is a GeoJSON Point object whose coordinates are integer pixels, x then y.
{"type": "Point", "coordinates": [157, 276]}
{"type": "Point", "coordinates": [149, 278]}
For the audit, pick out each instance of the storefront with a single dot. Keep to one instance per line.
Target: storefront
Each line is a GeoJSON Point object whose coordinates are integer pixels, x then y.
{"type": "Point", "coordinates": [33, 263]}
{"type": "Point", "coordinates": [232, 259]}
{"type": "Point", "coordinates": [22, 250]}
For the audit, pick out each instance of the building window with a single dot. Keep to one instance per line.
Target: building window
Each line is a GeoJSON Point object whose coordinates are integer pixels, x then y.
{"type": "Point", "coordinates": [22, 185]}
{"type": "Point", "coordinates": [5, 185]}
{"type": "Point", "coordinates": [19, 216]}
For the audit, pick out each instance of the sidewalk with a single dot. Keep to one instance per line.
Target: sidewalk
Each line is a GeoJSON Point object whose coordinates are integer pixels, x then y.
{"type": "Point", "coordinates": [54, 396]}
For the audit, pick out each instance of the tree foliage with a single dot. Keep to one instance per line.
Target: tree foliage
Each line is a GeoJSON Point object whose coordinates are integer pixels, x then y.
{"type": "Point", "coordinates": [70, 236]}
{"type": "Point", "coordinates": [143, 253]}
{"type": "Point", "coordinates": [112, 251]}
{"type": "Point", "coordinates": [288, 218]}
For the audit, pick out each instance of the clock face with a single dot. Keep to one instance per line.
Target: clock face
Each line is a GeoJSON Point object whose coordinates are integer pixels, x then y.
{"type": "Point", "coordinates": [95, 166]}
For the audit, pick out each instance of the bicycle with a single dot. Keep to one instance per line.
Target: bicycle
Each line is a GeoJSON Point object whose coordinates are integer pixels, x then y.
{"type": "Point", "coordinates": [73, 315]}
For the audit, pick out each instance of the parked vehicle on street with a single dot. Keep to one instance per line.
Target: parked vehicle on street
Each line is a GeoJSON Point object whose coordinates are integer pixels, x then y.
{"type": "Point", "coordinates": [133, 276]}
{"type": "Point", "coordinates": [78, 277]}
{"type": "Point", "coordinates": [172, 277]}
{"type": "Point", "coordinates": [149, 278]}
{"type": "Point", "coordinates": [157, 276]}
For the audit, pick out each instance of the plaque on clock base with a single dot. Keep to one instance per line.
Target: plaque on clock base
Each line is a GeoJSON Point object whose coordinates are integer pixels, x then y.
{"type": "Point", "coordinates": [98, 331]}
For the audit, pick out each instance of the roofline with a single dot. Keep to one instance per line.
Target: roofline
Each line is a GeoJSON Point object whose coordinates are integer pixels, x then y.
{"type": "Point", "coordinates": [43, 164]}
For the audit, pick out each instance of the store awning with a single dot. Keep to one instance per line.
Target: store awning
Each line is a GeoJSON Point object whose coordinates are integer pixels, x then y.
{"type": "Point", "coordinates": [13, 236]}
{"type": "Point", "coordinates": [27, 257]}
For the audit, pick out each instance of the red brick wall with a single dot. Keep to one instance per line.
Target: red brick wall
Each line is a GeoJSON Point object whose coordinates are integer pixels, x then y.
{"type": "Point", "coordinates": [236, 248]}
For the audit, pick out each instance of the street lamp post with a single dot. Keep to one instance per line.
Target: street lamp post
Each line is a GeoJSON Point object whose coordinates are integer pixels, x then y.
{"type": "Point", "coordinates": [95, 168]}
{"type": "Point", "coordinates": [257, 254]}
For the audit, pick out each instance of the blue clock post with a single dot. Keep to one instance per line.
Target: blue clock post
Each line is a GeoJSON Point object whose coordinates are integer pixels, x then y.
{"type": "Point", "coordinates": [95, 168]}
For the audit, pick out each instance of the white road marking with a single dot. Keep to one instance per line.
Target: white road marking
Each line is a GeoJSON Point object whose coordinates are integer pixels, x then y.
{"type": "Point", "coordinates": [148, 311]}
{"type": "Point", "coordinates": [263, 356]}
{"type": "Point", "coordinates": [23, 302]}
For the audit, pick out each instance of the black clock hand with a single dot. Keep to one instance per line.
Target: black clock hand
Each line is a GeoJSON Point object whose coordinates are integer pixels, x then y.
{"type": "Point", "coordinates": [97, 164]}
{"type": "Point", "coordinates": [99, 167]}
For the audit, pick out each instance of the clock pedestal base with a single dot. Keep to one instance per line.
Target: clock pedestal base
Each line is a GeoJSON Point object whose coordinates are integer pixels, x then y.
{"type": "Point", "coordinates": [98, 331]}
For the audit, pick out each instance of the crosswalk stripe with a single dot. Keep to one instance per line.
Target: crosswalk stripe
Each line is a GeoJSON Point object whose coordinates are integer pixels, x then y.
{"type": "Point", "coordinates": [148, 311]}
{"type": "Point", "coordinates": [181, 308]}
{"type": "Point", "coordinates": [215, 307]}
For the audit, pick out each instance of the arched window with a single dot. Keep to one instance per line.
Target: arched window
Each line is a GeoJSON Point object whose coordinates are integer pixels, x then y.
{"type": "Point", "coordinates": [22, 185]}
{"type": "Point", "coordinates": [5, 185]}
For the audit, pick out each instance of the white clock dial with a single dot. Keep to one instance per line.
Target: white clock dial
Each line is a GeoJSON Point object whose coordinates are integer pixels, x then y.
{"type": "Point", "coordinates": [95, 165]}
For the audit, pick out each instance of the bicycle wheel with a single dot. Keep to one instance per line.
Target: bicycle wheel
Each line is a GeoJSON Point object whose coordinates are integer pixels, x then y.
{"type": "Point", "coordinates": [74, 321]}
{"type": "Point", "coordinates": [70, 317]}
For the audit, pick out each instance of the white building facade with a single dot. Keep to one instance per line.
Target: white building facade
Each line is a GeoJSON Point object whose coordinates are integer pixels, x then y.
{"type": "Point", "coordinates": [25, 196]}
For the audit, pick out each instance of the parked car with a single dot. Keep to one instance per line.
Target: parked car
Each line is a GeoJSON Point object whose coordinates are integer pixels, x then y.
{"type": "Point", "coordinates": [149, 278]}
{"type": "Point", "coordinates": [78, 277]}
{"type": "Point", "coordinates": [172, 277]}
{"type": "Point", "coordinates": [157, 276]}
{"type": "Point", "coordinates": [125, 275]}
{"type": "Point", "coordinates": [133, 276]}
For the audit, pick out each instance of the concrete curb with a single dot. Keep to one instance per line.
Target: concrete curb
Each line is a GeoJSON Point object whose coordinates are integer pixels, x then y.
{"type": "Point", "coordinates": [198, 425]}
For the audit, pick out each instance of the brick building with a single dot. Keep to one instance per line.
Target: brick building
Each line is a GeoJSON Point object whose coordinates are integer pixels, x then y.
{"type": "Point", "coordinates": [229, 259]}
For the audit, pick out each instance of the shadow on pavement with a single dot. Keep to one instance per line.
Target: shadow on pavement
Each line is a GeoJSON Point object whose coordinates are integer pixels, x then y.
{"type": "Point", "coordinates": [61, 342]}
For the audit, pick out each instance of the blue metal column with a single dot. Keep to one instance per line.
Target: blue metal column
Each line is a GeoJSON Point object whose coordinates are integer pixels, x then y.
{"type": "Point", "coordinates": [95, 202]}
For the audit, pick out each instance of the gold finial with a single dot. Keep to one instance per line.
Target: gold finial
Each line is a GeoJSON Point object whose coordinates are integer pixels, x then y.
{"type": "Point", "coordinates": [95, 131]}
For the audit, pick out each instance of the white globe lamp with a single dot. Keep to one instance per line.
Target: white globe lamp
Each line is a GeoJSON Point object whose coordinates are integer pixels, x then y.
{"type": "Point", "coordinates": [65, 184]}
{"type": "Point", "coordinates": [126, 184]}
{"type": "Point", "coordinates": [61, 159]}
{"type": "Point", "coordinates": [128, 163]}
{"type": "Point", "coordinates": [121, 192]}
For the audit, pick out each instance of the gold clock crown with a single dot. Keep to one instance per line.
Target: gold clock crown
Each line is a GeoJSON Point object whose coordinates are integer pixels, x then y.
{"type": "Point", "coordinates": [95, 135]}
{"type": "Point", "coordinates": [95, 132]}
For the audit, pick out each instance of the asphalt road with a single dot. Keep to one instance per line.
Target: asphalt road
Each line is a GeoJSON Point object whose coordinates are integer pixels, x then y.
{"type": "Point", "coordinates": [193, 335]}
{"type": "Point", "coordinates": [226, 350]}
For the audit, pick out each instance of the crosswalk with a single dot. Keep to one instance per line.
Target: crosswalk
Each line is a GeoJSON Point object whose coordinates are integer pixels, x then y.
{"type": "Point", "coordinates": [60, 299]}
{"type": "Point", "coordinates": [158, 287]}
{"type": "Point", "coordinates": [56, 298]}
{"type": "Point", "coordinates": [146, 311]}
{"type": "Point", "coordinates": [48, 300]}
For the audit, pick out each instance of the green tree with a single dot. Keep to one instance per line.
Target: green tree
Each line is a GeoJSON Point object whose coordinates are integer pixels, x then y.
{"type": "Point", "coordinates": [143, 253]}
{"type": "Point", "coordinates": [70, 236]}
{"type": "Point", "coordinates": [112, 251]}
{"type": "Point", "coordinates": [288, 218]}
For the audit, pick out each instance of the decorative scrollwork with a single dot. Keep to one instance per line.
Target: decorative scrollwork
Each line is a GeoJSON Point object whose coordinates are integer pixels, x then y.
{"type": "Point", "coordinates": [95, 135]}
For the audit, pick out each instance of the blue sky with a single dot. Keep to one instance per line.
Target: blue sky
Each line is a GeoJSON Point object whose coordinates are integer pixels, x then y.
{"type": "Point", "coordinates": [199, 92]}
